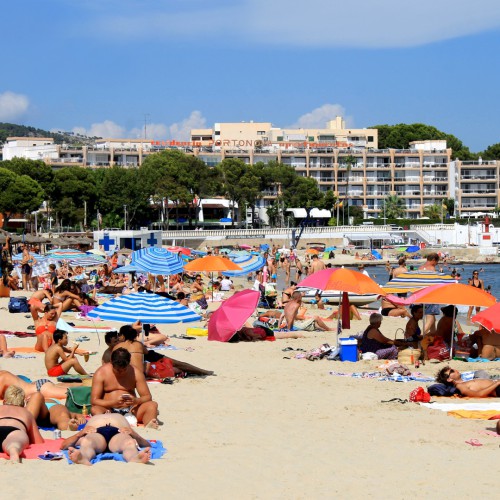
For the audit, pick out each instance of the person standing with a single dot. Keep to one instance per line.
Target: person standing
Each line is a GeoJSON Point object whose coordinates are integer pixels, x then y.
{"type": "Point", "coordinates": [430, 310]}
{"type": "Point", "coordinates": [476, 283]}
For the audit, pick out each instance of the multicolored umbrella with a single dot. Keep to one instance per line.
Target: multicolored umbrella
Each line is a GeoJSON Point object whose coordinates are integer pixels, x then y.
{"type": "Point", "coordinates": [128, 269]}
{"type": "Point", "coordinates": [66, 254]}
{"type": "Point", "coordinates": [231, 315]}
{"type": "Point", "coordinates": [457, 294]}
{"type": "Point", "coordinates": [416, 280]}
{"type": "Point", "coordinates": [146, 307]}
{"type": "Point", "coordinates": [157, 261]}
{"type": "Point", "coordinates": [212, 263]}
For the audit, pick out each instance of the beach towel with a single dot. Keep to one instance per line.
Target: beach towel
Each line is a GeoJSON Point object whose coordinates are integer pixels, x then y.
{"type": "Point", "coordinates": [493, 405]}
{"type": "Point", "coordinates": [18, 334]}
{"type": "Point", "coordinates": [475, 414]}
{"type": "Point", "coordinates": [26, 349]}
{"type": "Point", "coordinates": [157, 451]}
{"type": "Point", "coordinates": [63, 325]}
{"type": "Point", "coordinates": [481, 360]}
{"type": "Point", "coordinates": [33, 450]}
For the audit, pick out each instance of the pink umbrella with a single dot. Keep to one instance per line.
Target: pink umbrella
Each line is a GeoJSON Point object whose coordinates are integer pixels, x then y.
{"type": "Point", "coordinates": [231, 315]}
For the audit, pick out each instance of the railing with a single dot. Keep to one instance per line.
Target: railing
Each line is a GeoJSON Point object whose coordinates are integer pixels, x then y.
{"type": "Point", "coordinates": [478, 177]}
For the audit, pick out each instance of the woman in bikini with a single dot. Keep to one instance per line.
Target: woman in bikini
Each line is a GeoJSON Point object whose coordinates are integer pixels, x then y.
{"type": "Point", "coordinates": [46, 326]}
{"type": "Point", "coordinates": [66, 295]}
{"type": "Point", "coordinates": [27, 263]}
{"type": "Point", "coordinates": [18, 430]}
{"type": "Point", "coordinates": [36, 304]}
{"type": "Point", "coordinates": [476, 283]}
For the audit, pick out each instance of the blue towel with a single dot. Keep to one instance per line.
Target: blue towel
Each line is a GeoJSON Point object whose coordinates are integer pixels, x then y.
{"type": "Point", "coordinates": [157, 451]}
{"type": "Point", "coordinates": [481, 360]}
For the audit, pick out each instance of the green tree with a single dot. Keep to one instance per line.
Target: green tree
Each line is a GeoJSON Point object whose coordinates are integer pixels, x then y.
{"type": "Point", "coordinates": [394, 207]}
{"type": "Point", "coordinates": [491, 152]}
{"type": "Point", "coordinates": [435, 211]}
{"type": "Point", "coordinates": [20, 194]}
{"type": "Point", "coordinates": [233, 174]}
{"type": "Point", "coordinates": [450, 206]}
{"type": "Point", "coordinates": [399, 137]}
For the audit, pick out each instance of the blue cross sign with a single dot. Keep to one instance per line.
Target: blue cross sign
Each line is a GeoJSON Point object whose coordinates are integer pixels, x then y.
{"type": "Point", "coordinates": [152, 241]}
{"type": "Point", "coordinates": [107, 242]}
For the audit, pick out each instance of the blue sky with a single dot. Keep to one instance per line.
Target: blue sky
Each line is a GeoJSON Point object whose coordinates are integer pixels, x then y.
{"type": "Point", "coordinates": [103, 67]}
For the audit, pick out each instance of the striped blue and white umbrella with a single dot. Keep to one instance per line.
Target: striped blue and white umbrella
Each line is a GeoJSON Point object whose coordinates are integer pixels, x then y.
{"type": "Point", "coordinates": [66, 254]}
{"type": "Point", "coordinates": [128, 269]}
{"type": "Point", "coordinates": [248, 264]}
{"type": "Point", "coordinates": [157, 261]}
{"type": "Point", "coordinates": [88, 261]}
{"type": "Point", "coordinates": [146, 307]}
{"type": "Point", "coordinates": [36, 256]}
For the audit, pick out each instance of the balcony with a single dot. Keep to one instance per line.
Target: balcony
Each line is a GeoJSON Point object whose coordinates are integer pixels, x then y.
{"type": "Point", "coordinates": [478, 177]}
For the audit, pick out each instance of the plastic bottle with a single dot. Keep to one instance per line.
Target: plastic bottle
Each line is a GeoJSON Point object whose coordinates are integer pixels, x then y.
{"type": "Point", "coordinates": [412, 358]}
{"type": "Point", "coordinates": [85, 411]}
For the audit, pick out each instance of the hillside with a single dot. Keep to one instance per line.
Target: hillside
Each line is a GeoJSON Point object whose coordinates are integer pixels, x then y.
{"type": "Point", "coordinates": [13, 130]}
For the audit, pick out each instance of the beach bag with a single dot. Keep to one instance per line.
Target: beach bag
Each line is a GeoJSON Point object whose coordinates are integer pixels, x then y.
{"type": "Point", "coordinates": [77, 398]}
{"type": "Point", "coordinates": [202, 302]}
{"type": "Point", "coordinates": [163, 368]}
{"type": "Point", "coordinates": [419, 395]}
{"type": "Point", "coordinates": [438, 350]}
{"type": "Point", "coordinates": [18, 305]}
{"type": "Point", "coordinates": [409, 356]}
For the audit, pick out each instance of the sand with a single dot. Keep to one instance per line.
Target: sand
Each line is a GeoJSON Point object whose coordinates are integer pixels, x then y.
{"type": "Point", "coordinates": [269, 427]}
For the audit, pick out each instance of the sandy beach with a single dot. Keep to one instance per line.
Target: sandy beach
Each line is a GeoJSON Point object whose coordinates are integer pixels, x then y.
{"type": "Point", "coordinates": [270, 427]}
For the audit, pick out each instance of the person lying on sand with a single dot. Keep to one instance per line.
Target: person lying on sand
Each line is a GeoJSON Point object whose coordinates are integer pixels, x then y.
{"type": "Point", "coordinates": [18, 430]}
{"type": "Point", "coordinates": [46, 387]}
{"type": "Point", "coordinates": [294, 319]}
{"type": "Point", "coordinates": [476, 388]}
{"type": "Point", "coordinates": [47, 414]}
{"type": "Point", "coordinates": [114, 389]}
{"type": "Point", "coordinates": [107, 432]}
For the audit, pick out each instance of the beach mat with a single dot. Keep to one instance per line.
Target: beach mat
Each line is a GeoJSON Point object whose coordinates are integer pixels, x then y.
{"type": "Point", "coordinates": [475, 414]}
{"type": "Point", "coordinates": [33, 450]}
{"type": "Point", "coordinates": [157, 451]}
{"type": "Point", "coordinates": [26, 349]}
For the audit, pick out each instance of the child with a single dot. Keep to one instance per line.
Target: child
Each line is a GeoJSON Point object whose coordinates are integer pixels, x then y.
{"type": "Point", "coordinates": [54, 280]}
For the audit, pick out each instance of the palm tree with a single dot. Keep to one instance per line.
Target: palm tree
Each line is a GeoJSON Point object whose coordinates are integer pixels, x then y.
{"type": "Point", "coordinates": [394, 206]}
{"type": "Point", "coordinates": [434, 211]}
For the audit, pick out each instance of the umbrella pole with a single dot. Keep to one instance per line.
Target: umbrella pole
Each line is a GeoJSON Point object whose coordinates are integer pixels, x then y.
{"type": "Point", "coordinates": [452, 334]}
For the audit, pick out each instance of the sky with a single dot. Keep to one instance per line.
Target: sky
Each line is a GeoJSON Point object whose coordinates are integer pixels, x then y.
{"type": "Point", "coordinates": [157, 68]}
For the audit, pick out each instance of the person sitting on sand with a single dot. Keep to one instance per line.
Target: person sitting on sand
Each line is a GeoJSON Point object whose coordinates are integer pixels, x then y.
{"type": "Point", "coordinates": [46, 414]}
{"type": "Point", "coordinates": [18, 430]}
{"type": "Point", "coordinates": [107, 432]}
{"type": "Point", "coordinates": [374, 341]}
{"type": "Point", "coordinates": [488, 343]}
{"type": "Point", "coordinates": [46, 387]}
{"type": "Point", "coordinates": [67, 294]}
{"type": "Point", "coordinates": [475, 388]}
{"type": "Point", "coordinates": [413, 334]}
{"type": "Point", "coordinates": [111, 338]}
{"type": "Point", "coordinates": [59, 359]}
{"type": "Point", "coordinates": [142, 358]}
{"type": "Point", "coordinates": [36, 304]}
{"type": "Point", "coordinates": [448, 323]}
{"type": "Point", "coordinates": [353, 313]}
{"type": "Point", "coordinates": [118, 387]}
{"type": "Point", "coordinates": [296, 321]}
{"type": "Point", "coordinates": [46, 326]}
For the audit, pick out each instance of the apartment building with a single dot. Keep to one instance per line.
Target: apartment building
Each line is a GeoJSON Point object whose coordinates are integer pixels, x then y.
{"type": "Point", "coordinates": [340, 159]}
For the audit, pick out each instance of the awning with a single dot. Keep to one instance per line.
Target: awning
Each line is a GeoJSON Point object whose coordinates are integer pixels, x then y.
{"type": "Point", "coordinates": [298, 213]}
{"type": "Point", "coordinates": [316, 213]}
{"type": "Point", "coordinates": [368, 236]}
{"type": "Point", "coordinates": [320, 213]}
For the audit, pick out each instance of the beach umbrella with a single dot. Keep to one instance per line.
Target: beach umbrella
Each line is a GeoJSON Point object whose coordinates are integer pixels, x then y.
{"type": "Point", "coordinates": [376, 255]}
{"type": "Point", "coordinates": [238, 253]}
{"type": "Point", "coordinates": [97, 251]}
{"type": "Point", "coordinates": [330, 249]}
{"type": "Point", "coordinates": [416, 280]}
{"type": "Point", "coordinates": [198, 252]}
{"type": "Point", "coordinates": [125, 251]}
{"type": "Point", "coordinates": [88, 261]}
{"type": "Point", "coordinates": [231, 315]}
{"type": "Point", "coordinates": [343, 280]}
{"type": "Point", "coordinates": [66, 254]}
{"type": "Point", "coordinates": [489, 318]}
{"type": "Point", "coordinates": [249, 264]}
{"type": "Point", "coordinates": [157, 261]}
{"type": "Point", "coordinates": [131, 268]}
{"type": "Point", "coordinates": [457, 294]}
{"type": "Point", "coordinates": [19, 257]}
{"type": "Point", "coordinates": [412, 249]}
{"type": "Point", "coordinates": [210, 264]}
{"type": "Point", "coordinates": [176, 250]}
{"type": "Point", "coordinates": [246, 247]}
{"type": "Point", "coordinates": [146, 307]}
{"type": "Point", "coordinates": [313, 251]}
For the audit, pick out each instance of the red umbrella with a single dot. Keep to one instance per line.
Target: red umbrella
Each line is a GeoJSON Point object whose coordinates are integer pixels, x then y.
{"type": "Point", "coordinates": [231, 315]}
{"type": "Point", "coordinates": [489, 318]}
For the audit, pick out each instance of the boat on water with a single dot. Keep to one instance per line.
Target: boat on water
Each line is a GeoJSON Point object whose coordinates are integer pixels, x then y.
{"type": "Point", "coordinates": [334, 296]}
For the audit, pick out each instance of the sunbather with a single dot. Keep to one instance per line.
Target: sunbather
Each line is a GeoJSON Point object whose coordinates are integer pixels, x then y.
{"type": "Point", "coordinates": [4, 350]}
{"type": "Point", "coordinates": [18, 430]}
{"type": "Point", "coordinates": [59, 359]}
{"type": "Point", "coordinates": [107, 432]}
{"type": "Point", "coordinates": [475, 388]}
{"type": "Point", "coordinates": [46, 414]}
{"type": "Point", "coordinates": [294, 319]}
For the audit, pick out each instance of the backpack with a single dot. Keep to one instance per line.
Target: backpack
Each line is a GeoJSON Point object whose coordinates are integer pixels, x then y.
{"type": "Point", "coordinates": [419, 395]}
{"type": "Point", "coordinates": [18, 305]}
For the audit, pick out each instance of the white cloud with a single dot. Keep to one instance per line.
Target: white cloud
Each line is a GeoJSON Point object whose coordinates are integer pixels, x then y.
{"type": "Point", "coordinates": [318, 117]}
{"type": "Point", "coordinates": [107, 130]}
{"type": "Point", "coordinates": [316, 23]}
{"type": "Point", "coordinates": [12, 105]}
{"type": "Point", "coordinates": [179, 130]}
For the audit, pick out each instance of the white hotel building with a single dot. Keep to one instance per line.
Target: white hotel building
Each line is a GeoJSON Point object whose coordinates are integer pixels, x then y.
{"type": "Point", "coordinates": [344, 160]}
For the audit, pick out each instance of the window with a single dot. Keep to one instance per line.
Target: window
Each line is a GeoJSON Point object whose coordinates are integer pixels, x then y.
{"type": "Point", "coordinates": [261, 132]}
{"type": "Point", "coordinates": [217, 132]}
{"type": "Point", "coordinates": [370, 138]}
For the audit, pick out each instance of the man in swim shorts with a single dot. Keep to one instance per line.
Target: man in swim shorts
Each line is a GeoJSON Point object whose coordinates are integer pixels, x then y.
{"type": "Point", "coordinates": [475, 388]}
{"type": "Point", "coordinates": [114, 387]}
{"type": "Point", "coordinates": [107, 432]}
{"type": "Point", "coordinates": [291, 313]}
{"type": "Point", "coordinates": [59, 359]}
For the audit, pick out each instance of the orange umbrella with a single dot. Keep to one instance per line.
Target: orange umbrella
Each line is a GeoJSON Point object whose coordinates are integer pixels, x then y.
{"type": "Point", "coordinates": [212, 263]}
{"type": "Point", "coordinates": [453, 293]}
{"type": "Point", "coordinates": [312, 251]}
{"type": "Point", "coordinates": [345, 280]}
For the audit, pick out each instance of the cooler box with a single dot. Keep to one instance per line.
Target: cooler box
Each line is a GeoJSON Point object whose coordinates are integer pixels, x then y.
{"type": "Point", "coordinates": [348, 349]}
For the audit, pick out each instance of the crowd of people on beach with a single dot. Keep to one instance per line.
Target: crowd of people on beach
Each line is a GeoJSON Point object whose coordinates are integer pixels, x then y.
{"type": "Point", "coordinates": [119, 391]}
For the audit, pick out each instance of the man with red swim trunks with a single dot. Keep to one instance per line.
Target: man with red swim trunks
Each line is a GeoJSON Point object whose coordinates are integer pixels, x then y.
{"type": "Point", "coordinates": [59, 359]}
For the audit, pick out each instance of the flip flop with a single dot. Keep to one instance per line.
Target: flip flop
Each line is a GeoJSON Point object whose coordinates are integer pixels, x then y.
{"type": "Point", "coordinates": [51, 456]}
{"type": "Point", "coordinates": [474, 442]}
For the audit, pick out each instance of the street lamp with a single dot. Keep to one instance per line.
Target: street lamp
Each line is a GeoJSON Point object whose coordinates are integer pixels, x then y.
{"type": "Point", "coordinates": [125, 217]}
